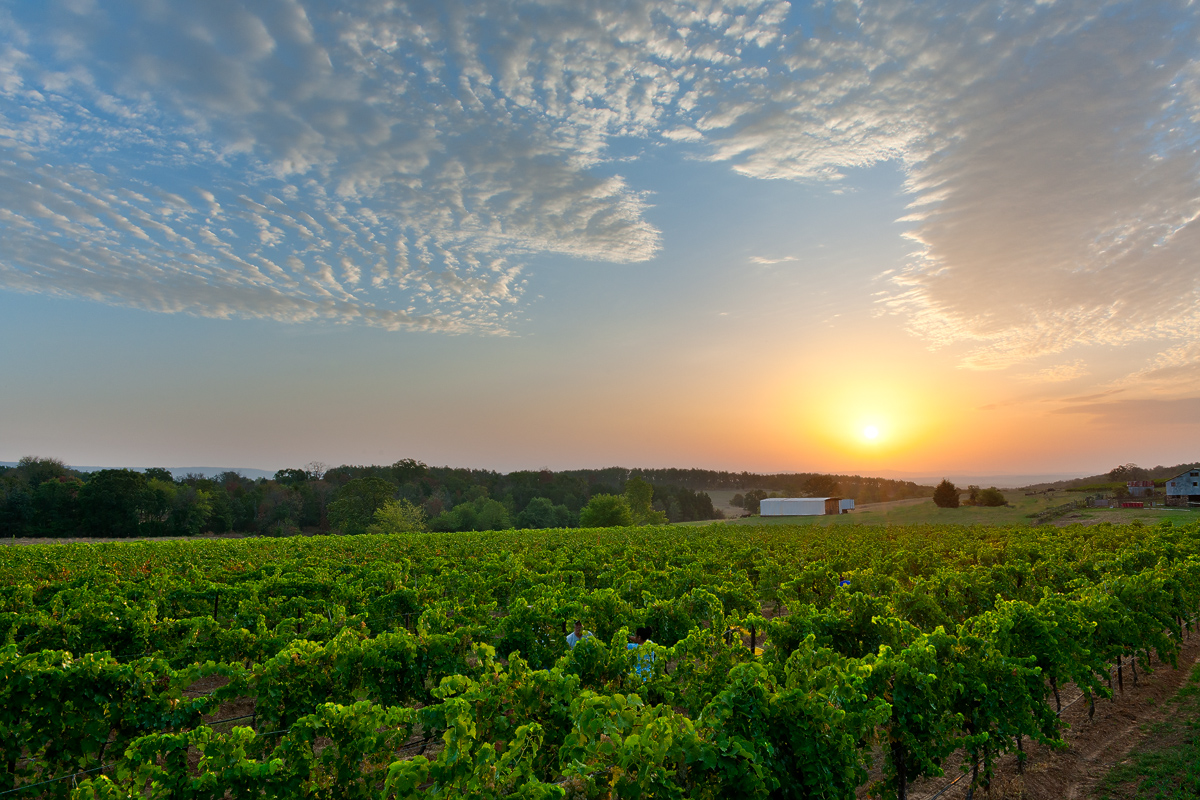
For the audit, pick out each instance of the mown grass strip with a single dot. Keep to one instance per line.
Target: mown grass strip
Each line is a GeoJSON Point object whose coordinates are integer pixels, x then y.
{"type": "Point", "coordinates": [1166, 766]}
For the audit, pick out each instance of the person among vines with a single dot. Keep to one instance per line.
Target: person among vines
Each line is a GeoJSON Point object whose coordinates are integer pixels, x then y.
{"type": "Point", "coordinates": [578, 635]}
{"type": "Point", "coordinates": [645, 662]}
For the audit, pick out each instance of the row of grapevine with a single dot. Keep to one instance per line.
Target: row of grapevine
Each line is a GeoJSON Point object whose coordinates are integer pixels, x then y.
{"type": "Point", "coordinates": [916, 641]}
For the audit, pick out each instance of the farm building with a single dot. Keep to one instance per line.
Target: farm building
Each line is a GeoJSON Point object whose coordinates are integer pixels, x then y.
{"type": "Point", "coordinates": [1140, 488]}
{"type": "Point", "coordinates": [804, 506]}
{"type": "Point", "coordinates": [1184, 488]}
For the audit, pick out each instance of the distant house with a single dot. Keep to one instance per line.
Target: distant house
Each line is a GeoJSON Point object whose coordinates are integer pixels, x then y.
{"type": "Point", "coordinates": [1184, 488]}
{"type": "Point", "coordinates": [1140, 488]}
{"type": "Point", "coordinates": [804, 506]}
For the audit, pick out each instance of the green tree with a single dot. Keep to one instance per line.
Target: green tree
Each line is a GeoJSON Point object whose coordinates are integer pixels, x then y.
{"type": "Point", "coordinates": [606, 511]}
{"type": "Point", "coordinates": [990, 497]}
{"type": "Point", "coordinates": [192, 511]}
{"type": "Point", "coordinates": [408, 470]}
{"type": "Point", "coordinates": [291, 477]}
{"type": "Point", "coordinates": [56, 508]}
{"type": "Point", "coordinates": [541, 512]}
{"type": "Point", "coordinates": [480, 514]}
{"type": "Point", "coordinates": [279, 510]}
{"type": "Point", "coordinates": [398, 516]}
{"type": "Point", "coordinates": [113, 502]}
{"type": "Point", "coordinates": [639, 495]}
{"type": "Point", "coordinates": [752, 501]}
{"type": "Point", "coordinates": [355, 504]}
{"type": "Point", "coordinates": [159, 503]}
{"type": "Point", "coordinates": [822, 486]}
{"type": "Point", "coordinates": [1128, 472]}
{"type": "Point", "coordinates": [39, 470]}
{"type": "Point", "coordinates": [946, 495]}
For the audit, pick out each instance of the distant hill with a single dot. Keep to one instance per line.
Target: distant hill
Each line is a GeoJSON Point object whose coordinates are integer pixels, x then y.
{"type": "Point", "coordinates": [177, 472]}
{"type": "Point", "coordinates": [209, 472]}
{"type": "Point", "coordinates": [1001, 481]}
{"type": "Point", "coordinates": [1125, 472]}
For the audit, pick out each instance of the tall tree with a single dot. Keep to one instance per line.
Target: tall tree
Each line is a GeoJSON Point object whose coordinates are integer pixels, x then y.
{"type": "Point", "coordinates": [639, 495]}
{"type": "Point", "coordinates": [752, 501]}
{"type": "Point", "coordinates": [946, 495]}
{"type": "Point", "coordinates": [356, 503]}
{"type": "Point", "coordinates": [398, 516]}
{"type": "Point", "coordinates": [541, 512]}
{"type": "Point", "coordinates": [113, 502]}
{"type": "Point", "coordinates": [606, 511]}
{"type": "Point", "coordinates": [822, 486]}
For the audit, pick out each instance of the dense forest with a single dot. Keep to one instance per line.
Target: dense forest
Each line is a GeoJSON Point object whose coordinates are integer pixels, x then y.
{"type": "Point", "coordinates": [41, 497]}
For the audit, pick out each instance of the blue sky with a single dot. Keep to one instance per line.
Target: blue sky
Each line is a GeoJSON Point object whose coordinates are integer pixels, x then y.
{"type": "Point", "coordinates": [569, 234]}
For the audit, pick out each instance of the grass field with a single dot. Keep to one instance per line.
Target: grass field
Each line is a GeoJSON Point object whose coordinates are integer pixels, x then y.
{"type": "Point", "coordinates": [1166, 766]}
{"type": "Point", "coordinates": [1019, 510]}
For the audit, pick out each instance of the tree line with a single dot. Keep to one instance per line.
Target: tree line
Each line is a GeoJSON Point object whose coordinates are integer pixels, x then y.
{"type": "Point", "coordinates": [947, 495]}
{"type": "Point", "coordinates": [783, 484]}
{"type": "Point", "coordinates": [42, 497]}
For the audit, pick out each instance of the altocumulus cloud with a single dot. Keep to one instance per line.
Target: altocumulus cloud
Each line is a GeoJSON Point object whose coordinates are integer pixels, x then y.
{"type": "Point", "coordinates": [395, 163]}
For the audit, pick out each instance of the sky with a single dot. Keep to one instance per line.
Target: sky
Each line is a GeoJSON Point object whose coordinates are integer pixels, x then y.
{"type": "Point", "coordinates": [518, 235]}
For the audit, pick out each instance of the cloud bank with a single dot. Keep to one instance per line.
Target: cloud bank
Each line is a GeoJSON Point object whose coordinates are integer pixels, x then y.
{"type": "Point", "coordinates": [397, 163]}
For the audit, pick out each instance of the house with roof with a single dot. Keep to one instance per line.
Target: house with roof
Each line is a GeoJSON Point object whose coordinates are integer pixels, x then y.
{"type": "Point", "coordinates": [1140, 488]}
{"type": "Point", "coordinates": [1184, 488]}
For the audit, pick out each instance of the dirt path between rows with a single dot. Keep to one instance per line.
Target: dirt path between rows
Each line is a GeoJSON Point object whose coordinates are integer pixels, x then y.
{"type": "Point", "coordinates": [1094, 746]}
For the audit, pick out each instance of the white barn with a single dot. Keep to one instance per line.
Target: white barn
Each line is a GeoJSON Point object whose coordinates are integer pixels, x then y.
{"type": "Point", "coordinates": [803, 506]}
{"type": "Point", "coordinates": [1184, 488]}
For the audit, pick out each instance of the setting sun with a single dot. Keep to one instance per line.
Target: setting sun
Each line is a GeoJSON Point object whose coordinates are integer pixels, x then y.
{"type": "Point", "coordinates": [870, 432]}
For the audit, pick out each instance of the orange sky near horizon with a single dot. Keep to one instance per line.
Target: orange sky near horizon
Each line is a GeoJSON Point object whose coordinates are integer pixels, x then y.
{"type": "Point", "coordinates": [671, 234]}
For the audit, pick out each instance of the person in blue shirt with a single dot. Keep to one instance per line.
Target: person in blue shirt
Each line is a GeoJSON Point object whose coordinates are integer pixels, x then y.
{"type": "Point", "coordinates": [644, 663]}
{"type": "Point", "coordinates": [577, 635]}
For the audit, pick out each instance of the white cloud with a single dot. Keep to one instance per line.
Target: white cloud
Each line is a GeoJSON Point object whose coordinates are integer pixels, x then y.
{"type": "Point", "coordinates": [683, 134]}
{"type": "Point", "coordinates": [408, 147]}
{"type": "Point", "coordinates": [386, 124]}
{"type": "Point", "coordinates": [1059, 373]}
{"type": "Point", "coordinates": [1050, 151]}
{"type": "Point", "coordinates": [1174, 371]}
{"type": "Point", "coordinates": [1163, 414]}
{"type": "Point", "coordinates": [765, 260]}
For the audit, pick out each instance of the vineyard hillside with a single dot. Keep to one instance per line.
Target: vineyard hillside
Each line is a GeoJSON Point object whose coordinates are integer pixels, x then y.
{"type": "Point", "coordinates": [714, 662]}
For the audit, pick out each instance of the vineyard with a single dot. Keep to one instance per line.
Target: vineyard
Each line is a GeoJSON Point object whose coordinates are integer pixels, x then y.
{"type": "Point", "coordinates": [784, 662]}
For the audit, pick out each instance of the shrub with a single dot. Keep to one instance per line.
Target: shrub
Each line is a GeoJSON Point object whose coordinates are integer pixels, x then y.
{"type": "Point", "coordinates": [946, 495]}
{"type": "Point", "coordinates": [606, 511]}
{"type": "Point", "coordinates": [991, 497]}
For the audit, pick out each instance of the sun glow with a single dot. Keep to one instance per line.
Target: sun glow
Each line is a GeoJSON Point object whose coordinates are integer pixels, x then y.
{"type": "Point", "coordinates": [861, 415]}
